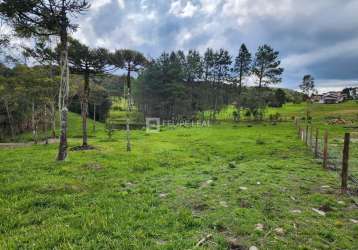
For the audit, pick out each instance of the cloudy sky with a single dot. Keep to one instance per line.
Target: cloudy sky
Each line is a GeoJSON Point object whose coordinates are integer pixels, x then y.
{"type": "Point", "coordinates": [317, 37]}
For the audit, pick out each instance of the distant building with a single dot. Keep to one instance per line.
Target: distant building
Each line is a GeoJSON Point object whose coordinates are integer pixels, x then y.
{"type": "Point", "coordinates": [331, 97]}
{"type": "Point", "coordinates": [316, 98]}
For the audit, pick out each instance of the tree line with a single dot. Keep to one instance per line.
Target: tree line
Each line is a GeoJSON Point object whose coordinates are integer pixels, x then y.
{"type": "Point", "coordinates": [178, 84]}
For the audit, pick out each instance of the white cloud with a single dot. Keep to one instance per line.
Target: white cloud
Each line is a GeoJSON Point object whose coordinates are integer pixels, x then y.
{"type": "Point", "coordinates": [325, 85]}
{"type": "Point", "coordinates": [178, 9]}
{"type": "Point", "coordinates": [209, 6]}
{"type": "Point", "coordinates": [144, 4]}
{"type": "Point", "coordinates": [121, 4]}
{"type": "Point", "coordinates": [97, 4]}
{"type": "Point", "coordinates": [247, 10]}
{"type": "Point", "coordinates": [182, 38]}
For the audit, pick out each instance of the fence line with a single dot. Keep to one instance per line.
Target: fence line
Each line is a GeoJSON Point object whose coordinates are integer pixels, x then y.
{"type": "Point", "coordinates": [331, 159]}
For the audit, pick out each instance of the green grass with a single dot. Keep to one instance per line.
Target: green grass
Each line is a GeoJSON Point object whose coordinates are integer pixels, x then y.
{"type": "Point", "coordinates": [118, 113]}
{"type": "Point", "coordinates": [74, 130]}
{"type": "Point", "coordinates": [176, 187]}
{"type": "Point", "coordinates": [320, 112]}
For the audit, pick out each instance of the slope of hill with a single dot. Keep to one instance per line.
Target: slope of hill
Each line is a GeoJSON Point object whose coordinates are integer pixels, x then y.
{"type": "Point", "coordinates": [74, 129]}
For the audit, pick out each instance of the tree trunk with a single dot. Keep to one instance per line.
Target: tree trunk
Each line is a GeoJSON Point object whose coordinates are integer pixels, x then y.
{"type": "Point", "coordinates": [129, 147]}
{"type": "Point", "coordinates": [85, 111]}
{"type": "Point", "coordinates": [53, 120]}
{"type": "Point", "coordinates": [45, 124]}
{"type": "Point", "coordinates": [53, 111]}
{"type": "Point", "coordinates": [240, 79]}
{"type": "Point", "coordinates": [63, 95]}
{"type": "Point", "coordinates": [9, 117]}
{"type": "Point", "coordinates": [33, 124]}
{"type": "Point", "coordinates": [94, 118]}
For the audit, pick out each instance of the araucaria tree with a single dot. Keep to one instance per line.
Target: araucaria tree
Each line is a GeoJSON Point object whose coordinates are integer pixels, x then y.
{"type": "Point", "coordinates": [46, 18]}
{"type": "Point", "coordinates": [267, 66]}
{"type": "Point", "coordinates": [87, 62]}
{"type": "Point", "coordinates": [131, 61]}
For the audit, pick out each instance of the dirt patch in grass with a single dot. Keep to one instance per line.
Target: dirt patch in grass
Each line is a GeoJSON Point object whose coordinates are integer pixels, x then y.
{"type": "Point", "coordinates": [93, 166]}
{"type": "Point", "coordinates": [325, 208]}
{"type": "Point", "coordinates": [234, 244]}
{"type": "Point", "coordinates": [82, 148]}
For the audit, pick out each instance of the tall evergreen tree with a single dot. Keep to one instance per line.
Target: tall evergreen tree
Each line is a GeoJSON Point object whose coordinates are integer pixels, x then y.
{"type": "Point", "coordinates": [242, 65]}
{"type": "Point", "coordinates": [193, 66]}
{"type": "Point", "coordinates": [45, 18]}
{"type": "Point", "coordinates": [131, 61]}
{"type": "Point", "coordinates": [87, 62]}
{"type": "Point", "coordinates": [267, 66]}
{"type": "Point", "coordinates": [208, 64]}
{"type": "Point", "coordinates": [221, 72]}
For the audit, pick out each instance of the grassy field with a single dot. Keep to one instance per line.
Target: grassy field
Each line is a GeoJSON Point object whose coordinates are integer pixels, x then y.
{"type": "Point", "coordinates": [175, 188]}
{"type": "Point", "coordinates": [242, 184]}
{"type": "Point", "coordinates": [319, 112]}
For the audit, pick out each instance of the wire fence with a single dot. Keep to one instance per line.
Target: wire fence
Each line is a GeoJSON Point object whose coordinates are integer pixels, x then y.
{"type": "Point", "coordinates": [338, 153]}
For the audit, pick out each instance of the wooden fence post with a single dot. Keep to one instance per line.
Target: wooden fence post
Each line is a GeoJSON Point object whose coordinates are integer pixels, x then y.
{"type": "Point", "coordinates": [325, 149]}
{"type": "Point", "coordinates": [316, 144]}
{"type": "Point", "coordinates": [344, 174]}
{"type": "Point", "coordinates": [299, 132]}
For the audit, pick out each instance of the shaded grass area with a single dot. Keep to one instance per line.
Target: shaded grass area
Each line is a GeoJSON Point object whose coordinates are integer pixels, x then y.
{"type": "Point", "coordinates": [175, 188]}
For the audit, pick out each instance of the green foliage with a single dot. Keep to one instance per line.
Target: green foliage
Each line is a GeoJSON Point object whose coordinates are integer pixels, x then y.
{"type": "Point", "coordinates": [21, 87]}
{"type": "Point", "coordinates": [242, 66]}
{"type": "Point", "coordinates": [98, 97]}
{"type": "Point", "coordinates": [86, 61]}
{"type": "Point", "coordinates": [307, 86]}
{"type": "Point", "coordinates": [266, 66]}
{"type": "Point", "coordinates": [41, 18]}
{"type": "Point", "coordinates": [177, 86]}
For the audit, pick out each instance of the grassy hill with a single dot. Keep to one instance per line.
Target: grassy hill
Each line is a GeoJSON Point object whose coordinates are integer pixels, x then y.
{"type": "Point", "coordinates": [118, 114]}
{"type": "Point", "coordinates": [74, 129]}
{"type": "Point", "coordinates": [319, 112]}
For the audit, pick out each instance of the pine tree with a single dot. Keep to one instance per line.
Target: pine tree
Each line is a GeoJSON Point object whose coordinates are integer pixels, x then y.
{"type": "Point", "coordinates": [242, 65]}
{"type": "Point", "coordinates": [266, 66]}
